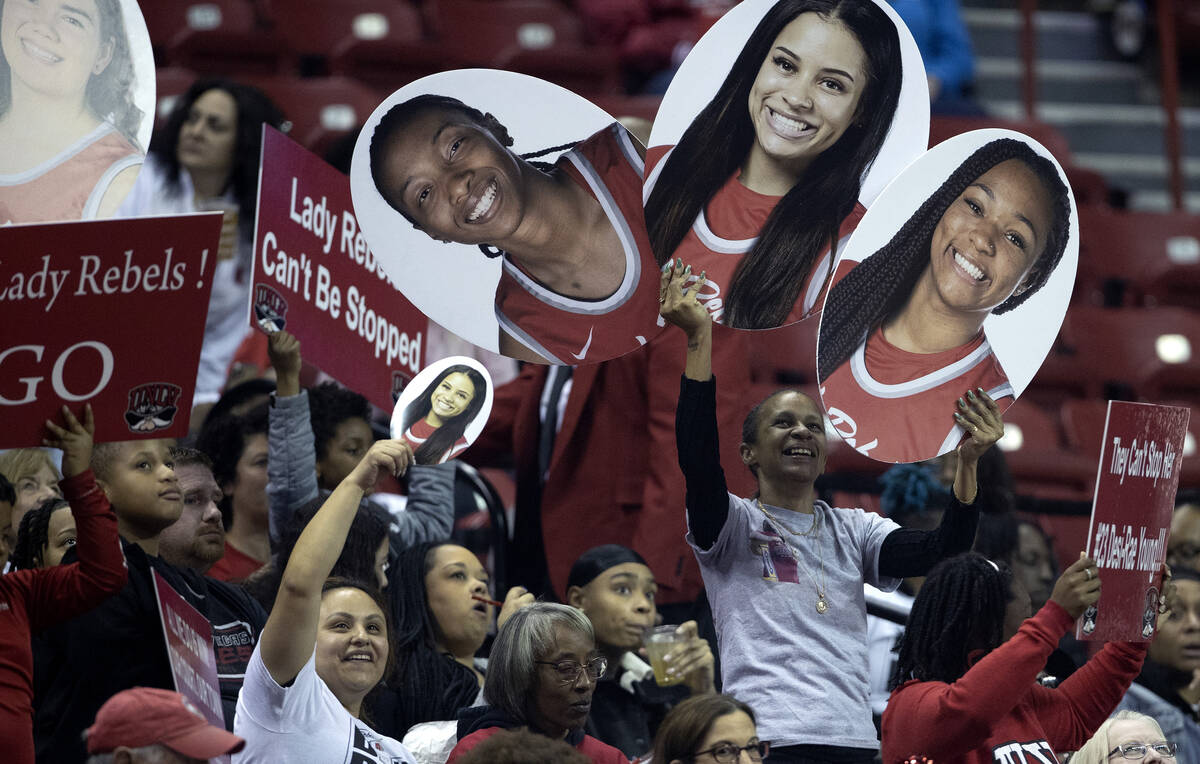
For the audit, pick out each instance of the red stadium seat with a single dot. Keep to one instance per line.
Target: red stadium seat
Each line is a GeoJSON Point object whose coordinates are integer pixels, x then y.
{"type": "Point", "coordinates": [1126, 352]}
{"type": "Point", "coordinates": [1151, 258]}
{"type": "Point", "coordinates": [212, 36]}
{"type": "Point", "coordinates": [943, 127]}
{"type": "Point", "coordinates": [537, 37]}
{"type": "Point", "coordinates": [381, 44]}
{"type": "Point", "coordinates": [321, 110]}
{"type": "Point", "coordinates": [170, 83]}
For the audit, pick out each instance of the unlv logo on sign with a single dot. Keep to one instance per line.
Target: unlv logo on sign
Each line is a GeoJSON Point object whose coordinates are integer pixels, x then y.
{"type": "Point", "coordinates": [152, 406]}
{"type": "Point", "coordinates": [270, 309]}
{"type": "Point", "coordinates": [399, 381]}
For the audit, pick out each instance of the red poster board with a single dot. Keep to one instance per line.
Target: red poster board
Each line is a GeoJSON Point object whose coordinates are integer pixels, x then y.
{"type": "Point", "coordinates": [108, 312]}
{"type": "Point", "coordinates": [1131, 517]}
{"type": "Point", "coordinates": [190, 647]}
{"type": "Point", "coordinates": [314, 275]}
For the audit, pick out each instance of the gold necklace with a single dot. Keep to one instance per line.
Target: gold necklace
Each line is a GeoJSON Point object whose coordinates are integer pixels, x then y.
{"type": "Point", "coordinates": [813, 532]}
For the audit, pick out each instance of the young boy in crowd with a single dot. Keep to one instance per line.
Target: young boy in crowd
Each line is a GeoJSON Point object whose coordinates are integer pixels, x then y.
{"type": "Point", "coordinates": [120, 644]}
{"type": "Point", "coordinates": [31, 600]}
{"type": "Point", "coordinates": [197, 539]}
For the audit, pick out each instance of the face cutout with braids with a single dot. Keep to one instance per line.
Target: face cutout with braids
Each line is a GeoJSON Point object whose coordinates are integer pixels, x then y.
{"type": "Point", "coordinates": [984, 242]}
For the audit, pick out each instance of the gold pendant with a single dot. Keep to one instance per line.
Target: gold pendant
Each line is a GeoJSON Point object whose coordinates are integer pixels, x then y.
{"type": "Point", "coordinates": [821, 606]}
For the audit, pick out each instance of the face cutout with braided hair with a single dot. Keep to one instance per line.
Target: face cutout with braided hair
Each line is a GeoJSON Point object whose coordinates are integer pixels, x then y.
{"type": "Point", "coordinates": [482, 160]}
{"type": "Point", "coordinates": [986, 225]}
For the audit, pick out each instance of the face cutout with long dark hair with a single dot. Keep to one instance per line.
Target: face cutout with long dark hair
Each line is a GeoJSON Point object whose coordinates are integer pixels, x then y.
{"type": "Point", "coordinates": [76, 107]}
{"type": "Point", "coordinates": [966, 294]}
{"type": "Point", "coordinates": [509, 211]}
{"type": "Point", "coordinates": [820, 105]}
{"type": "Point", "coordinates": [443, 409]}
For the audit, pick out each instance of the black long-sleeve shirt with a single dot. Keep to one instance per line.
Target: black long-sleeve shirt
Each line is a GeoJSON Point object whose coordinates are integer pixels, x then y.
{"type": "Point", "coordinates": [905, 551]}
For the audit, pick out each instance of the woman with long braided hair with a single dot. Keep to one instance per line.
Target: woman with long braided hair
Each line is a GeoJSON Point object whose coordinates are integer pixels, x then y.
{"type": "Point", "coordinates": [902, 334]}
{"type": "Point", "coordinates": [571, 235]}
{"type": "Point", "coordinates": [965, 686]}
{"type": "Point", "coordinates": [765, 181]}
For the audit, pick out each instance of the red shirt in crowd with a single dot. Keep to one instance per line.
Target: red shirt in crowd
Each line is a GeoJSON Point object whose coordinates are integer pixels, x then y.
{"type": "Point", "coordinates": [234, 565]}
{"type": "Point", "coordinates": [32, 600]}
{"type": "Point", "coordinates": [996, 712]}
{"type": "Point", "coordinates": [600, 753]}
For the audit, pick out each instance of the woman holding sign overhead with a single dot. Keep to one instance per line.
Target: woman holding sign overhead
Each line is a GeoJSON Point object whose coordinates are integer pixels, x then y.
{"type": "Point", "coordinates": [965, 683]}
{"type": "Point", "coordinates": [783, 570]}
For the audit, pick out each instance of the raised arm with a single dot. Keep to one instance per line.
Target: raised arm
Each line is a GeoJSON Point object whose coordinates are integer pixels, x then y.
{"type": "Point", "coordinates": [292, 459]}
{"type": "Point", "coordinates": [696, 436]}
{"type": "Point", "coordinates": [291, 631]}
{"type": "Point", "coordinates": [941, 715]}
{"type": "Point", "coordinates": [910, 552]}
{"type": "Point", "coordinates": [67, 590]}
{"type": "Point", "coordinates": [429, 513]}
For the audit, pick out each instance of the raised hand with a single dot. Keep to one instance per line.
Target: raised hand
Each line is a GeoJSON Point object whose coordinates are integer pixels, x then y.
{"type": "Point", "coordinates": [1078, 587]}
{"type": "Point", "coordinates": [979, 415]}
{"type": "Point", "coordinates": [75, 440]}
{"type": "Point", "coordinates": [677, 300]}
{"type": "Point", "coordinates": [393, 456]}
{"type": "Point", "coordinates": [284, 351]}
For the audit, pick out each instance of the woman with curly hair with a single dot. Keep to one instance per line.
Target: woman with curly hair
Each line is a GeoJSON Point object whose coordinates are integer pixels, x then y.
{"type": "Point", "coordinates": [434, 424]}
{"type": "Point", "coordinates": [68, 121]}
{"type": "Point", "coordinates": [902, 334]}
{"type": "Point", "coordinates": [765, 181]}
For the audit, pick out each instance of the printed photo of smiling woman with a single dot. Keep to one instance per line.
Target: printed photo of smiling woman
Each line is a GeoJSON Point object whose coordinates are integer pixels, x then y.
{"type": "Point", "coordinates": [965, 295]}
{"type": "Point", "coordinates": [443, 409]}
{"type": "Point", "coordinates": [76, 107]}
{"type": "Point", "coordinates": [509, 210]}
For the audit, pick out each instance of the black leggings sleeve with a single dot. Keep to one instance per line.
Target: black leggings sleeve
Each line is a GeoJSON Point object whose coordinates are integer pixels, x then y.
{"type": "Point", "coordinates": [696, 438]}
{"type": "Point", "coordinates": [910, 552]}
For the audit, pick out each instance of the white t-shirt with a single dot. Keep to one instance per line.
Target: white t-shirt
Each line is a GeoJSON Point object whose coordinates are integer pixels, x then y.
{"type": "Point", "coordinates": [304, 722]}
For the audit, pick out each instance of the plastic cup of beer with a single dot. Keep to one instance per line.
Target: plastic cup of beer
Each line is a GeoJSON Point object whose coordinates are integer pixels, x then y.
{"type": "Point", "coordinates": [661, 641]}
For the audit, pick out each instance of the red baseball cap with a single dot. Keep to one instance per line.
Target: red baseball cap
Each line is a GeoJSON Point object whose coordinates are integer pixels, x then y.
{"type": "Point", "coordinates": [144, 715]}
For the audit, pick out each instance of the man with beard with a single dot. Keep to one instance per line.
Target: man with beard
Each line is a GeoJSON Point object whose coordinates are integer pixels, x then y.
{"type": "Point", "coordinates": [197, 539]}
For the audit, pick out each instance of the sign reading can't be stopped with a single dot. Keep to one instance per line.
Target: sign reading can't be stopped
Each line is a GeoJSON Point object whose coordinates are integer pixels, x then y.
{"type": "Point", "coordinates": [1131, 517]}
{"type": "Point", "coordinates": [315, 276]}
{"type": "Point", "coordinates": [106, 312]}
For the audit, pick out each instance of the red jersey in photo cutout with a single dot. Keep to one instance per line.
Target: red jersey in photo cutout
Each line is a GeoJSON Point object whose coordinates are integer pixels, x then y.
{"type": "Point", "coordinates": [727, 228]}
{"type": "Point", "coordinates": [419, 431]}
{"type": "Point", "coordinates": [565, 330]}
{"type": "Point", "coordinates": [71, 185]}
{"type": "Point", "coordinates": [897, 406]}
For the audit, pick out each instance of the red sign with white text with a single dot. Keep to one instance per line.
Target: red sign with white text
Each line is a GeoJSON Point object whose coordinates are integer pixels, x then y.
{"type": "Point", "coordinates": [190, 648]}
{"type": "Point", "coordinates": [107, 312]}
{"type": "Point", "coordinates": [315, 276]}
{"type": "Point", "coordinates": [1131, 517]}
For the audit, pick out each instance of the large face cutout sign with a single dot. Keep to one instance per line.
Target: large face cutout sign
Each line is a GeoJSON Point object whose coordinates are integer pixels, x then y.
{"type": "Point", "coordinates": [784, 115]}
{"type": "Point", "coordinates": [76, 107]}
{"type": "Point", "coordinates": [957, 279]}
{"type": "Point", "coordinates": [544, 259]}
{"type": "Point", "coordinates": [443, 409]}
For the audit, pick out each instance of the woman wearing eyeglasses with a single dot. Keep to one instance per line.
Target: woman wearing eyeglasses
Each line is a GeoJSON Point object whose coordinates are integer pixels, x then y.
{"type": "Point", "coordinates": [541, 674]}
{"type": "Point", "coordinates": [1127, 735]}
{"type": "Point", "coordinates": [709, 728]}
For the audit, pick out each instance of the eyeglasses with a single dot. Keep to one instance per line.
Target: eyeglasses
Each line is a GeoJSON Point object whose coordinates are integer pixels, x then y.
{"type": "Point", "coordinates": [728, 753]}
{"type": "Point", "coordinates": [1138, 751]}
{"type": "Point", "coordinates": [569, 671]}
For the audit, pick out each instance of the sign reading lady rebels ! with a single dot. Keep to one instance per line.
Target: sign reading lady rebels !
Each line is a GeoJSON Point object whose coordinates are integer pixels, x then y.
{"type": "Point", "coordinates": [314, 275]}
{"type": "Point", "coordinates": [1131, 517]}
{"type": "Point", "coordinates": [107, 312]}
